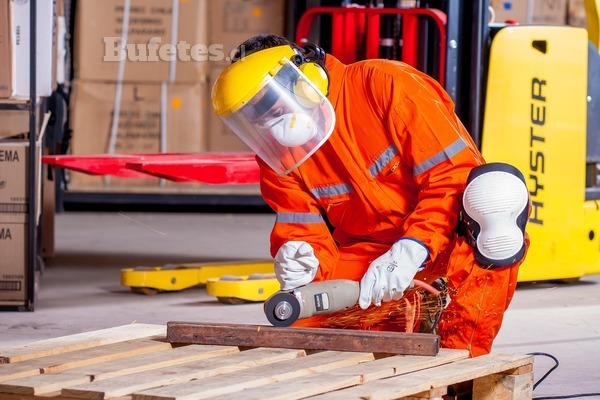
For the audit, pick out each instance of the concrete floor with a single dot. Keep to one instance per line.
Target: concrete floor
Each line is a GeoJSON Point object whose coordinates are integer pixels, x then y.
{"type": "Point", "coordinates": [80, 290]}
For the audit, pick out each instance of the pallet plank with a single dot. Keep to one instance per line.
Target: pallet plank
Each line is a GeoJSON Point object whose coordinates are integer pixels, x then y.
{"type": "Point", "coordinates": [303, 338]}
{"type": "Point", "coordinates": [424, 380]}
{"type": "Point", "coordinates": [79, 341]}
{"type": "Point", "coordinates": [125, 385]}
{"type": "Point", "coordinates": [254, 377]}
{"type": "Point", "coordinates": [48, 383]}
{"type": "Point", "coordinates": [78, 358]}
{"type": "Point", "coordinates": [349, 376]}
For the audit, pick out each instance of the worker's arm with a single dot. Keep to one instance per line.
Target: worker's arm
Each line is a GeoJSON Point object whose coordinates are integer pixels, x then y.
{"type": "Point", "coordinates": [441, 154]}
{"type": "Point", "coordinates": [298, 219]}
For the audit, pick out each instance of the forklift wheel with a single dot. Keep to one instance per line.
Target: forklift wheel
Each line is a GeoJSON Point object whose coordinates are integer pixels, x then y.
{"type": "Point", "coordinates": [231, 300]}
{"type": "Point", "coordinates": [144, 290]}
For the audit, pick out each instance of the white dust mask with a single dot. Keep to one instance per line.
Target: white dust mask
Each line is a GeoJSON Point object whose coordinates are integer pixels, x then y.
{"type": "Point", "coordinates": [293, 129]}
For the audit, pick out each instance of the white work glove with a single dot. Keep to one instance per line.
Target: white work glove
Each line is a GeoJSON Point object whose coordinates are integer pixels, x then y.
{"type": "Point", "coordinates": [295, 264]}
{"type": "Point", "coordinates": [392, 273]}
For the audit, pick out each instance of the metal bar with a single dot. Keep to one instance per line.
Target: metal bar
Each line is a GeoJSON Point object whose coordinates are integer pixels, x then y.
{"type": "Point", "coordinates": [480, 35]}
{"type": "Point", "coordinates": [373, 27]}
{"type": "Point", "coordinates": [438, 18]}
{"type": "Point", "coordinates": [14, 105]}
{"type": "Point", "coordinates": [208, 198]}
{"type": "Point", "coordinates": [410, 39]}
{"type": "Point", "coordinates": [422, 344]}
{"type": "Point", "coordinates": [32, 214]}
{"type": "Point", "coordinates": [452, 49]}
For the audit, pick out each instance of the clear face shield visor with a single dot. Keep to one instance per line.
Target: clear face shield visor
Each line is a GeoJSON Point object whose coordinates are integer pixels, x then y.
{"type": "Point", "coordinates": [286, 121]}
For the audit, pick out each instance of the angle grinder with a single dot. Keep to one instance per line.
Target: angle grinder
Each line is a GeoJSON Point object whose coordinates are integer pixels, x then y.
{"type": "Point", "coordinates": [286, 307]}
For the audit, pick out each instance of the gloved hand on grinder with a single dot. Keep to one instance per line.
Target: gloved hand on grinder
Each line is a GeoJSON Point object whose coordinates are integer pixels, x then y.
{"type": "Point", "coordinates": [295, 264]}
{"type": "Point", "coordinates": [392, 273]}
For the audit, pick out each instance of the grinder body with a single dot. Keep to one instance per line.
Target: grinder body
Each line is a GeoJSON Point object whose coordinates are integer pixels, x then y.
{"type": "Point", "coordinates": [286, 307]}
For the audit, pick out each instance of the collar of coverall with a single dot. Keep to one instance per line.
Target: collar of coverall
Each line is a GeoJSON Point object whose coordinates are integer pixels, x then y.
{"type": "Point", "coordinates": [336, 70]}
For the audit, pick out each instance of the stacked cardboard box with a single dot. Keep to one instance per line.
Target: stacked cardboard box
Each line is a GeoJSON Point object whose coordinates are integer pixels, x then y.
{"type": "Point", "coordinates": [14, 205]}
{"type": "Point", "coordinates": [544, 12]}
{"type": "Point", "coordinates": [14, 48]}
{"type": "Point", "coordinates": [141, 68]}
{"type": "Point", "coordinates": [5, 63]}
{"type": "Point", "coordinates": [15, 153]}
{"type": "Point", "coordinates": [153, 94]}
{"type": "Point", "coordinates": [231, 22]}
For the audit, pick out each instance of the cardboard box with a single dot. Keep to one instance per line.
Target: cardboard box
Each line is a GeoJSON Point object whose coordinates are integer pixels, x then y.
{"type": "Point", "coordinates": [13, 263]}
{"type": "Point", "coordinates": [14, 175]}
{"type": "Point", "coordinates": [549, 12]}
{"type": "Point", "coordinates": [5, 58]}
{"type": "Point", "coordinates": [140, 128]}
{"type": "Point", "coordinates": [511, 10]}
{"type": "Point", "coordinates": [14, 123]}
{"type": "Point", "coordinates": [232, 22]}
{"type": "Point", "coordinates": [220, 137]}
{"type": "Point", "coordinates": [576, 13]}
{"type": "Point", "coordinates": [150, 55]}
{"type": "Point", "coordinates": [20, 44]}
{"type": "Point", "coordinates": [545, 12]}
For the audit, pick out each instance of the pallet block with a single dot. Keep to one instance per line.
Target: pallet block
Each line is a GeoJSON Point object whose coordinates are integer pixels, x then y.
{"type": "Point", "coordinates": [136, 362]}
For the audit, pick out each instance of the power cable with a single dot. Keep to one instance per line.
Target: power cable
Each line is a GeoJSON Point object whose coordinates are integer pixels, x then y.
{"type": "Point", "coordinates": [569, 396]}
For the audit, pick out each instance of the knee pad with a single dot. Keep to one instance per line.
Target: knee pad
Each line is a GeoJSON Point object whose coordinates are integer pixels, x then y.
{"type": "Point", "coordinates": [494, 214]}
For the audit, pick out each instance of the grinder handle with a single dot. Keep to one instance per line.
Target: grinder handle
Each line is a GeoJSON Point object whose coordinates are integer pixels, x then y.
{"type": "Point", "coordinates": [326, 297]}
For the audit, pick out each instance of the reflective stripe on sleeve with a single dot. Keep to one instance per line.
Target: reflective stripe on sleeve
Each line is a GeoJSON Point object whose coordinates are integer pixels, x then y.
{"type": "Point", "coordinates": [440, 157]}
{"type": "Point", "coordinates": [299, 218]}
{"type": "Point", "coordinates": [330, 191]}
{"type": "Point", "coordinates": [383, 160]}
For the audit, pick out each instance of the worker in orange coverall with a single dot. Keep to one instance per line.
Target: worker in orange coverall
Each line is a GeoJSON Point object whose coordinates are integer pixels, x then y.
{"type": "Point", "coordinates": [366, 167]}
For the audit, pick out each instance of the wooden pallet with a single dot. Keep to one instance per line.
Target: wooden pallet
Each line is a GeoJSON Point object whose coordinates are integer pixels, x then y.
{"type": "Point", "coordinates": [136, 362]}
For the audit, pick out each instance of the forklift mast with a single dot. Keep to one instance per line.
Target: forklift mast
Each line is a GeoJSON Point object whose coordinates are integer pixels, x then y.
{"type": "Point", "coordinates": [466, 45]}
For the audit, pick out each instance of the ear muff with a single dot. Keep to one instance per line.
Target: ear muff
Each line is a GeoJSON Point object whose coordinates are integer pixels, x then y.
{"type": "Point", "coordinates": [317, 75]}
{"type": "Point", "coordinates": [312, 64]}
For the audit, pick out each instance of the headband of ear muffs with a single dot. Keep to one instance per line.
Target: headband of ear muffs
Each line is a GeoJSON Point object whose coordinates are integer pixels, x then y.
{"type": "Point", "coordinates": [311, 61]}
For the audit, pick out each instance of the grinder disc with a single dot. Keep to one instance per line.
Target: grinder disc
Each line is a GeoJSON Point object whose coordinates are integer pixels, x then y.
{"type": "Point", "coordinates": [282, 309]}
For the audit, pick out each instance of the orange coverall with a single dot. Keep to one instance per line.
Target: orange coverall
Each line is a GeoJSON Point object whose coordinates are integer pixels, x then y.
{"type": "Point", "coordinates": [395, 166]}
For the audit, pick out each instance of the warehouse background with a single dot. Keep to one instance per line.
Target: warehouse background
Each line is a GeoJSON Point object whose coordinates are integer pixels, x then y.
{"type": "Point", "coordinates": [143, 104]}
{"type": "Point", "coordinates": [163, 106]}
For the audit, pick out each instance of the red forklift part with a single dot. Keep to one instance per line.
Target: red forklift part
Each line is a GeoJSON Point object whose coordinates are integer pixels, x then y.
{"type": "Point", "coordinates": [351, 25]}
{"type": "Point", "coordinates": [205, 171]}
{"type": "Point", "coordinates": [209, 168]}
{"type": "Point", "coordinates": [101, 164]}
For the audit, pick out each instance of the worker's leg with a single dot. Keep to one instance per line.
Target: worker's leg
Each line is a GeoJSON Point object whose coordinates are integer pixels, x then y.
{"type": "Point", "coordinates": [479, 298]}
